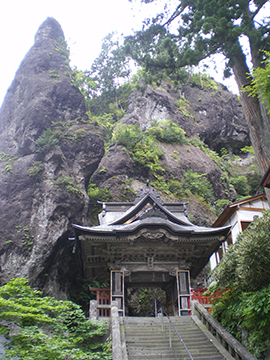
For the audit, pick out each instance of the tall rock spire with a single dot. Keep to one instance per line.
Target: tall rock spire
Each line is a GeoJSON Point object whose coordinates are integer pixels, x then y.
{"type": "Point", "coordinates": [48, 152]}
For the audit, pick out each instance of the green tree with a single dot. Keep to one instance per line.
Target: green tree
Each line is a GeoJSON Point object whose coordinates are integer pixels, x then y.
{"type": "Point", "coordinates": [260, 84]}
{"type": "Point", "coordinates": [245, 270]}
{"type": "Point", "coordinates": [111, 68]}
{"type": "Point", "coordinates": [48, 329]}
{"type": "Point", "coordinates": [207, 28]}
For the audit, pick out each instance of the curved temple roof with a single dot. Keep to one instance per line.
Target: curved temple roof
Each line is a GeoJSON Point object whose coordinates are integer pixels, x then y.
{"type": "Point", "coordinates": [149, 223]}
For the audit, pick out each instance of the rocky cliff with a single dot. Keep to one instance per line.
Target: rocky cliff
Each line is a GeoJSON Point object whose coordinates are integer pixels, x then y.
{"type": "Point", "coordinates": [48, 153]}
{"type": "Point", "coordinates": [50, 150]}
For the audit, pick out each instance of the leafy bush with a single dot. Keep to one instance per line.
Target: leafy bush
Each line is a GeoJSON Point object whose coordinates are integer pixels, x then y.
{"type": "Point", "coordinates": [245, 269]}
{"type": "Point", "coordinates": [241, 185]}
{"type": "Point", "coordinates": [46, 141]}
{"type": "Point", "coordinates": [97, 194]}
{"type": "Point", "coordinates": [141, 146]}
{"type": "Point", "coordinates": [67, 183]}
{"type": "Point", "coordinates": [168, 132]}
{"type": "Point", "coordinates": [184, 106]}
{"type": "Point", "coordinates": [60, 131]}
{"type": "Point", "coordinates": [146, 154]}
{"type": "Point", "coordinates": [204, 81]}
{"type": "Point", "coordinates": [127, 135]}
{"type": "Point", "coordinates": [48, 328]}
{"type": "Point", "coordinates": [36, 170]}
{"type": "Point", "coordinates": [198, 184]}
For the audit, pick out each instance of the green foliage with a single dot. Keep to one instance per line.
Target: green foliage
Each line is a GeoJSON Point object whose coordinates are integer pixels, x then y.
{"type": "Point", "coordinates": [220, 205]}
{"type": "Point", "coordinates": [241, 185]}
{"type": "Point", "coordinates": [260, 82]}
{"type": "Point", "coordinates": [204, 81]}
{"type": "Point", "coordinates": [62, 47]}
{"type": "Point", "coordinates": [127, 135]}
{"type": "Point", "coordinates": [67, 183]}
{"type": "Point", "coordinates": [48, 328]}
{"type": "Point", "coordinates": [27, 239]}
{"type": "Point", "coordinates": [198, 184]}
{"type": "Point", "coordinates": [246, 264]}
{"type": "Point", "coordinates": [97, 194]}
{"type": "Point", "coordinates": [36, 170]}
{"type": "Point", "coordinates": [245, 269]}
{"type": "Point", "coordinates": [141, 146]}
{"type": "Point", "coordinates": [146, 155]}
{"type": "Point", "coordinates": [167, 132]}
{"type": "Point", "coordinates": [47, 140]}
{"type": "Point", "coordinates": [141, 302]}
{"type": "Point", "coordinates": [58, 132]}
{"type": "Point", "coordinates": [203, 31]}
{"type": "Point", "coordinates": [111, 66]}
{"type": "Point", "coordinates": [191, 184]}
{"type": "Point", "coordinates": [248, 149]}
{"type": "Point", "coordinates": [8, 168]}
{"type": "Point", "coordinates": [184, 106]}
{"type": "Point", "coordinates": [80, 134]}
{"type": "Point", "coordinates": [6, 157]}
{"type": "Point", "coordinates": [54, 74]}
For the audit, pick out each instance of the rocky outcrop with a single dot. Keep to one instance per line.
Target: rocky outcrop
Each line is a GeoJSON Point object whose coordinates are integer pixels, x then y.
{"type": "Point", "coordinates": [48, 152]}
{"type": "Point", "coordinates": [214, 115]}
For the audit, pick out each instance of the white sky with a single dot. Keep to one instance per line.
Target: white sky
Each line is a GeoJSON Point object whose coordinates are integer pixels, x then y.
{"type": "Point", "coordinates": [84, 22]}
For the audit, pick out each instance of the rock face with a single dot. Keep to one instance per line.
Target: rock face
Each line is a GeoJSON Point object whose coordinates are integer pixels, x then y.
{"type": "Point", "coordinates": [47, 153]}
{"type": "Point", "coordinates": [213, 116]}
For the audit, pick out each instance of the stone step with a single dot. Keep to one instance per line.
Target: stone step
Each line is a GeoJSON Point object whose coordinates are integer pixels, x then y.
{"type": "Point", "coordinates": [146, 340]}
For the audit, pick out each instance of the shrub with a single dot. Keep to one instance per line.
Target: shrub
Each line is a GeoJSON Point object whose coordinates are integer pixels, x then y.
{"type": "Point", "coordinates": [48, 328]}
{"type": "Point", "coordinates": [197, 184]}
{"type": "Point", "coordinates": [67, 183]}
{"type": "Point", "coordinates": [127, 135]}
{"type": "Point", "coordinates": [241, 185]}
{"type": "Point", "coordinates": [36, 170]}
{"type": "Point", "coordinates": [97, 194]}
{"type": "Point", "coordinates": [168, 132]}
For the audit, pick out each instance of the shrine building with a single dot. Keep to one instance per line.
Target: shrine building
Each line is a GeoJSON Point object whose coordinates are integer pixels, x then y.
{"type": "Point", "coordinates": [147, 243]}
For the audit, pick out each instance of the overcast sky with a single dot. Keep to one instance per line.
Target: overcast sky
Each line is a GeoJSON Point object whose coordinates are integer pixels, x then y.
{"type": "Point", "coordinates": [84, 22]}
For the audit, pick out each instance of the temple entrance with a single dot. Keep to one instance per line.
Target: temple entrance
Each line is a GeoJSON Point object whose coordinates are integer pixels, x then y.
{"type": "Point", "coordinates": [145, 301]}
{"type": "Point", "coordinates": [176, 289]}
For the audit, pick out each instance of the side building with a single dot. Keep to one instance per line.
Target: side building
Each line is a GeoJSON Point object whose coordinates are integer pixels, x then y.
{"type": "Point", "coordinates": [238, 215]}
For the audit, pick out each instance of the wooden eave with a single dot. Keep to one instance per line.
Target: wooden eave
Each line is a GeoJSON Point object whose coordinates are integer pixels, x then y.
{"type": "Point", "coordinates": [231, 208]}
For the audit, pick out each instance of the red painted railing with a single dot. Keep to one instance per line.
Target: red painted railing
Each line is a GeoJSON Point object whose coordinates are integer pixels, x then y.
{"type": "Point", "coordinates": [205, 300]}
{"type": "Point", "coordinates": [103, 301]}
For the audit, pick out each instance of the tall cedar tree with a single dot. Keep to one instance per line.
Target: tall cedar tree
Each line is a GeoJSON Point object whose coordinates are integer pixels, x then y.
{"type": "Point", "coordinates": [210, 27]}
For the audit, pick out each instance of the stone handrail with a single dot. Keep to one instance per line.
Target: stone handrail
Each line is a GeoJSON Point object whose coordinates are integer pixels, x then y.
{"type": "Point", "coordinates": [233, 346]}
{"type": "Point", "coordinates": [114, 324]}
{"type": "Point", "coordinates": [115, 328]}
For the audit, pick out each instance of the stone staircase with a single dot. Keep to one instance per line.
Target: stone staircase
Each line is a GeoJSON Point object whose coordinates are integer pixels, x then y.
{"type": "Point", "coordinates": [145, 340]}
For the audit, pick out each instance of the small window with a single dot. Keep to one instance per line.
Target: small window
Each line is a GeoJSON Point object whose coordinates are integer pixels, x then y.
{"type": "Point", "coordinates": [245, 224]}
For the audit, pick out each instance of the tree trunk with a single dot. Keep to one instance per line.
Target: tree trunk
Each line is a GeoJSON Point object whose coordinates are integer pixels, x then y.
{"type": "Point", "coordinates": [256, 115]}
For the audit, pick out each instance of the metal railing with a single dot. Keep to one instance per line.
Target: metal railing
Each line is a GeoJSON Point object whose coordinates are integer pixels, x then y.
{"type": "Point", "coordinates": [171, 324]}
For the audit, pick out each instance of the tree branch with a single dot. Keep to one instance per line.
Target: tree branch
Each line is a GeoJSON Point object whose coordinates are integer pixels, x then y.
{"type": "Point", "coordinates": [174, 16]}
{"type": "Point", "coordinates": [253, 14]}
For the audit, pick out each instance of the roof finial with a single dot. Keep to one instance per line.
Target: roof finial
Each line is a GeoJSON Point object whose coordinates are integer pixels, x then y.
{"type": "Point", "coordinates": [147, 182]}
